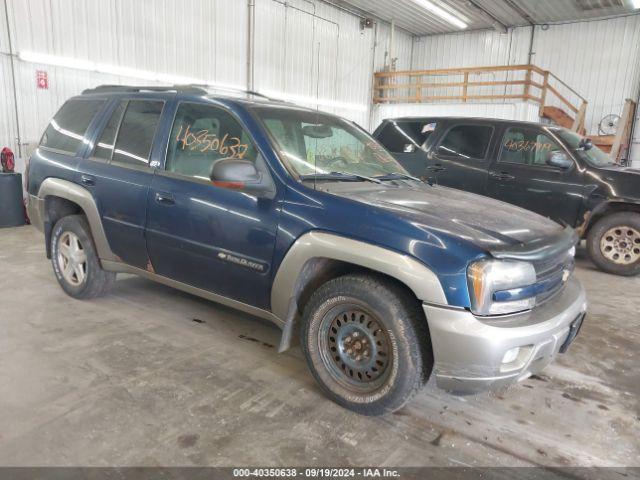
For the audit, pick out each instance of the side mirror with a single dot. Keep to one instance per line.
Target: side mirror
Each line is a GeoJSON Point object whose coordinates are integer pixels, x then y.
{"type": "Point", "coordinates": [559, 159]}
{"type": "Point", "coordinates": [586, 143]}
{"type": "Point", "coordinates": [236, 173]}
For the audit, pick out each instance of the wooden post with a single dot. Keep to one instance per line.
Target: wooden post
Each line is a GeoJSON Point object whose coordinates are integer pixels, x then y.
{"type": "Point", "coordinates": [465, 86]}
{"type": "Point", "coordinates": [578, 122]}
{"type": "Point", "coordinates": [545, 83]}
{"type": "Point", "coordinates": [624, 129]}
{"type": "Point", "coordinates": [527, 82]}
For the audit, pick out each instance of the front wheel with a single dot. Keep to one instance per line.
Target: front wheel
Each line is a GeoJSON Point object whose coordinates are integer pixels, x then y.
{"type": "Point", "coordinates": [614, 243]}
{"type": "Point", "coordinates": [366, 342]}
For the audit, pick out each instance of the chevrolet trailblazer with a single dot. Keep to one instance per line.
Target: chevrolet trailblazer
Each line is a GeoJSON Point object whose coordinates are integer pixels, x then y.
{"type": "Point", "coordinates": [302, 218]}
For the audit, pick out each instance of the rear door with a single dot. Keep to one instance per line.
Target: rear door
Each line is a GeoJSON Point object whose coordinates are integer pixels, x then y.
{"type": "Point", "coordinates": [521, 175]}
{"type": "Point", "coordinates": [406, 140]}
{"type": "Point", "coordinates": [460, 156]}
{"type": "Point", "coordinates": [118, 172]}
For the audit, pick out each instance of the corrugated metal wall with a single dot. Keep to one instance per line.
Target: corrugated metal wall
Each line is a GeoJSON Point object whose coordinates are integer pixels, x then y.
{"type": "Point", "coordinates": [599, 59]}
{"type": "Point", "coordinates": [305, 49]}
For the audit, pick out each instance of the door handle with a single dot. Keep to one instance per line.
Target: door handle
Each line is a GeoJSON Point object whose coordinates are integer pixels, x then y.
{"type": "Point", "coordinates": [436, 168]}
{"type": "Point", "coordinates": [501, 176]}
{"type": "Point", "coordinates": [164, 198]}
{"type": "Point", "coordinates": [88, 180]}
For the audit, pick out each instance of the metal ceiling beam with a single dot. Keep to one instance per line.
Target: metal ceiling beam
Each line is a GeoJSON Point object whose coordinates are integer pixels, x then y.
{"type": "Point", "coordinates": [497, 24]}
{"type": "Point", "coordinates": [520, 11]}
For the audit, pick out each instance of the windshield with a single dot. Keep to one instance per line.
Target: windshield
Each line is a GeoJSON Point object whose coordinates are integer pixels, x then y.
{"type": "Point", "coordinates": [593, 156]}
{"type": "Point", "coordinates": [314, 143]}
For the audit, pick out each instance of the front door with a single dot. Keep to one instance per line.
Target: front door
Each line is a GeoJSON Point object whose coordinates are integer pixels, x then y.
{"type": "Point", "coordinates": [522, 176]}
{"type": "Point", "coordinates": [118, 174]}
{"type": "Point", "coordinates": [459, 159]}
{"type": "Point", "coordinates": [212, 237]}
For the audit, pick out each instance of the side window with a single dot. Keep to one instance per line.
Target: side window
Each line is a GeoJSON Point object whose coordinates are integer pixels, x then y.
{"type": "Point", "coordinates": [203, 134]}
{"type": "Point", "coordinates": [527, 147]}
{"type": "Point", "coordinates": [135, 136]}
{"type": "Point", "coordinates": [104, 147]}
{"type": "Point", "coordinates": [405, 137]}
{"type": "Point", "coordinates": [466, 141]}
{"type": "Point", "coordinates": [68, 127]}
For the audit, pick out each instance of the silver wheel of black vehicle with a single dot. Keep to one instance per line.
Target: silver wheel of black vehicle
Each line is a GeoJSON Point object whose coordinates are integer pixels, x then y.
{"type": "Point", "coordinates": [621, 245]}
{"type": "Point", "coordinates": [75, 261]}
{"type": "Point", "coordinates": [613, 243]}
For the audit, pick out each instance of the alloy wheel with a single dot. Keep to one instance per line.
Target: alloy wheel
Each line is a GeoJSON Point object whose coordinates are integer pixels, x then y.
{"type": "Point", "coordinates": [72, 259]}
{"type": "Point", "coordinates": [621, 245]}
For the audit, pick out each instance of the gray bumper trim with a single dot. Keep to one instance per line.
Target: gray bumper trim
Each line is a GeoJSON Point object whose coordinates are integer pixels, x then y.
{"type": "Point", "coordinates": [468, 351]}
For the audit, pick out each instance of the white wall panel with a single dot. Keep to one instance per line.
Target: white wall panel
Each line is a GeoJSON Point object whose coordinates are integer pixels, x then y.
{"type": "Point", "coordinates": [310, 50]}
{"type": "Point", "coordinates": [402, 48]}
{"type": "Point", "coordinates": [598, 59]}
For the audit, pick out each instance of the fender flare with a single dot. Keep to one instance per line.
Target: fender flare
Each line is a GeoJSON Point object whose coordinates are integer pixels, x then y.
{"type": "Point", "coordinates": [57, 187]}
{"type": "Point", "coordinates": [423, 282]}
{"type": "Point", "coordinates": [593, 215]}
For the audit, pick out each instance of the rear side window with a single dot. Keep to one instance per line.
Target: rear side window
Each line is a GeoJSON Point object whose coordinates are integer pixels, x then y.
{"type": "Point", "coordinates": [67, 129]}
{"type": "Point", "coordinates": [104, 147]}
{"type": "Point", "coordinates": [527, 147]}
{"type": "Point", "coordinates": [466, 141]}
{"type": "Point", "coordinates": [136, 132]}
{"type": "Point", "coordinates": [405, 137]}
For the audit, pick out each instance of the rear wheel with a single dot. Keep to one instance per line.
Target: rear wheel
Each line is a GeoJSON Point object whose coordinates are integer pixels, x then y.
{"type": "Point", "coordinates": [614, 243]}
{"type": "Point", "coordinates": [75, 261]}
{"type": "Point", "coordinates": [366, 343]}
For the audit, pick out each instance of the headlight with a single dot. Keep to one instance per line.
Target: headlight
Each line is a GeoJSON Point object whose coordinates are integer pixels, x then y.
{"type": "Point", "coordinates": [498, 287]}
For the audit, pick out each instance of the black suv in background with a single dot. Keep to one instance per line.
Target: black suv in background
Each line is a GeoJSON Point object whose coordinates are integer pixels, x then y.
{"type": "Point", "coordinates": [549, 170]}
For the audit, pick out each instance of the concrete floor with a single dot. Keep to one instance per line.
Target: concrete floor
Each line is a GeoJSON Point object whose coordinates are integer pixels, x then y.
{"type": "Point", "coordinates": [152, 376]}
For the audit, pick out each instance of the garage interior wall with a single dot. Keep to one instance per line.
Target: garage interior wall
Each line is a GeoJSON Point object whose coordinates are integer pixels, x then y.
{"type": "Point", "coordinates": [306, 51]}
{"type": "Point", "coordinates": [600, 59]}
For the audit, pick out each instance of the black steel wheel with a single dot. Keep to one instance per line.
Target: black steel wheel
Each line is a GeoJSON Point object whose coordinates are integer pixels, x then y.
{"type": "Point", "coordinates": [366, 342]}
{"type": "Point", "coordinates": [355, 347]}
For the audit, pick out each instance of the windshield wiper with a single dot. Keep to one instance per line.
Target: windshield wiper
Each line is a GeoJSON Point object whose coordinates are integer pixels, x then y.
{"type": "Point", "coordinates": [343, 176]}
{"type": "Point", "coordinates": [394, 175]}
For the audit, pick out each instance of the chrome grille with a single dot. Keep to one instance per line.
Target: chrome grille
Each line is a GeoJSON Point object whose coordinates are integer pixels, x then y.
{"type": "Point", "coordinates": [550, 270]}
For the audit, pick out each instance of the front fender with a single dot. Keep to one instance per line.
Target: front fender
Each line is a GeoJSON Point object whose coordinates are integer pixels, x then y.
{"type": "Point", "coordinates": [313, 245]}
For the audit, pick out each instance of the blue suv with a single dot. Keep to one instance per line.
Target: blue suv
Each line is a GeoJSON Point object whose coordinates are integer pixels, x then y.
{"type": "Point", "coordinates": [302, 218]}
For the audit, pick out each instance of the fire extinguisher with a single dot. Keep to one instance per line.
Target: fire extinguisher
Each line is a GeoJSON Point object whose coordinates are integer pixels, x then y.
{"type": "Point", "coordinates": [7, 160]}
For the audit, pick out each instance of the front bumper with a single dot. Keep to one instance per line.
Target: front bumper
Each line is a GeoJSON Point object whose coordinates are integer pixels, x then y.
{"type": "Point", "coordinates": [469, 350]}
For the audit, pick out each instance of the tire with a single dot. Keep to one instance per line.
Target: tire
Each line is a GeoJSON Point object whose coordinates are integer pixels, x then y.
{"type": "Point", "coordinates": [613, 243]}
{"type": "Point", "coordinates": [393, 359]}
{"type": "Point", "coordinates": [71, 243]}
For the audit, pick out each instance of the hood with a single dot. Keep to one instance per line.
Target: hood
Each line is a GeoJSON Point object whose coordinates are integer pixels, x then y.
{"type": "Point", "coordinates": [485, 222]}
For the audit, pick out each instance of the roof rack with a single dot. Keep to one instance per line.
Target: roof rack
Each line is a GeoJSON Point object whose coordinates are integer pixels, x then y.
{"type": "Point", "coordinates": [192, 88]}
{"type": "Point", "coordinates": [135, 88]}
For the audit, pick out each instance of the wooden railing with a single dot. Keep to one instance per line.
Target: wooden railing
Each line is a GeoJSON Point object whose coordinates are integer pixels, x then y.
{"type": "Point", "coordinates": [498, 83]}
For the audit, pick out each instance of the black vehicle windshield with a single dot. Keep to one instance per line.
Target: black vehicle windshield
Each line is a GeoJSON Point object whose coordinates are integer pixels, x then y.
{"type": "Point", "coordinates": [593, 156]}
{"type": "Point", "coordinates": [318, 145]}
